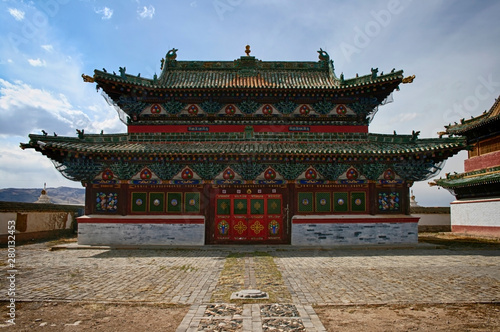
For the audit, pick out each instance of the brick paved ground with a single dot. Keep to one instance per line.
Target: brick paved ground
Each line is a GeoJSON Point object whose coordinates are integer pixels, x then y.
{"type": "Point", "coordinates": [391, 276]}
{"type": "Point", "coordinates": [312, 277]}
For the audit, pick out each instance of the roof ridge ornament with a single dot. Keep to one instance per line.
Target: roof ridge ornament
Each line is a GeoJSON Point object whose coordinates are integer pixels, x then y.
{"type": "Point", "coordinates": [323, 55]}
{"type": "Point", "coordinates": [169, 57]}
{"type": "Point", "coordinates": [408, 79]}
{"type": "Point", "coordinates": [87, 78]}
{"type": "Point", "coordinates": [172, 54]}
{"type": "Point", "coordinates": [247, 50]}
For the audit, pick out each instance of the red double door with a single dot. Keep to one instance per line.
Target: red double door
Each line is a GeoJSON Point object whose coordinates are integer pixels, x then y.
{"type": "Point", "coordinates": [250, 218]}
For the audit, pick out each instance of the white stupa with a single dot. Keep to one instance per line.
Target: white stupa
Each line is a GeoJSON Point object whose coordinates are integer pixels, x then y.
{"type": "Point", "coordinates": [413, 202]}
{"type": "Point", "coordinates": [44, 198]}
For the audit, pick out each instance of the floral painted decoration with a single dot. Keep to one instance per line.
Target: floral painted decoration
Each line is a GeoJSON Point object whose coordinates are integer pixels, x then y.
{"type": "Point", "coordinates": [146, 174]}
{"type": "Point", "coordinates": [304, 110]}
{"type": "Point", "coordinates": [228, 174]}
{"type": "Point", "coordinates": [352, 174]}
{"type": "Point", "coordinates": [270, 174]}
{"type": "Point", "coordinates": [341, 110]}
{"type": "Point", "coordinates": [267, 110]}
{"type": "Point", "coordinates": [107, 175]}
{"type": "Point", "coordinates": [311, 174]}
{"type": "Point", "coordinates": [187, 174]}
{"type": "Point", "coordinates": [389, 175]}
{"type": "Point", "coordinates": [193, 110]}
{"type": "Point", "coordinates": [155, 109]}
{"type": "Point", "coordinates": [230, 109]}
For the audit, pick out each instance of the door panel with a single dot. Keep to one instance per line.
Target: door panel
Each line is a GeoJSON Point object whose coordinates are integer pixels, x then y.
{"type": "Point", "coordinates": [249, 218]}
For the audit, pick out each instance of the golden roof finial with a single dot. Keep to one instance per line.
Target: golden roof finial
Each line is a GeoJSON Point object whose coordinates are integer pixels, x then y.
{"type": "Point", "coordinates": [247, 50]}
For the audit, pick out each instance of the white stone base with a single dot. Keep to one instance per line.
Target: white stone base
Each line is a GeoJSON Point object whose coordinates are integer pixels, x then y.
{"type": "Point", "coordinates": [476, 216]}
{"type": "Point", "coordinates": [157, 232]}
{"type": "Point", "coordinates": [355, 230]}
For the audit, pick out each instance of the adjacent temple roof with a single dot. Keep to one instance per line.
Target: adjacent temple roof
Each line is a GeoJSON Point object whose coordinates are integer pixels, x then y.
{"type": "Point", "coordinates": [483, 182]}
{"type": "Point", "coordinates": [489, 118]}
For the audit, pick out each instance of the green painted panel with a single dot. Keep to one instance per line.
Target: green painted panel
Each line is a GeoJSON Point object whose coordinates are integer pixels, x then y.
{"type": "Point", "coordinates": [174, 202]}
{"type": "Point", "coordinates": [240, 206]}
{"type": "Point", "coordinates": [358, 202]}
{"type": "Point", "coordinates": [156, 202]}
{"type": "Point", "coordinates": [192, 202]}
{"type": "Point", "coordinates": [223, 206]}
{"type": "Point", "coordinates": [274, 206]}
{"type": "Point", "coordinates": [257, 206]}
{"type": "Point", "coordinates": [323, 202]}
{"type": "Point", "coordinates": [340, 202]}
{"type": "Point", "coordinates": [139, 202]}
{"type": "Point", "coordinates": [305, 202]}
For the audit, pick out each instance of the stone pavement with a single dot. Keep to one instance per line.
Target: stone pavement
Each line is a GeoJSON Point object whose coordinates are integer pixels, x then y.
{"type": "Point", "coordinates": [311, 277]}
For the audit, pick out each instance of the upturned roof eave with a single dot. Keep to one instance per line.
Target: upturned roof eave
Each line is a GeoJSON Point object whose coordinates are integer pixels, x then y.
{"type": "Point", "coordinates": [465, 126]}
{"type": "Point", "coordinates": [335, 85]}
{"type": "Point", "coordinates": [121, 146]}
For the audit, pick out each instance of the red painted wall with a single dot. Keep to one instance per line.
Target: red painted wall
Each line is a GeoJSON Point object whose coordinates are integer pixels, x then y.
{"type": "Point", "coordinates": [486, 160]}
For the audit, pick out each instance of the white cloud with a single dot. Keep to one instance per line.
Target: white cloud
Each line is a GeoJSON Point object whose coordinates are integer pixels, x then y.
{"type": "Point", "coordinates": [38, 109]}
{"type": "Point", "coordinates": [28, 168]}
{"type": "Point", "coordinates": [106, 13]}
{"type": "Point", "coordinates": [48, 48]}
{"type": "Point", "coordinates": [16, 13]}
{"type": "Point", "coordinates": [146, 12]}
{"type": "Point", "coordinates": [37, 62]}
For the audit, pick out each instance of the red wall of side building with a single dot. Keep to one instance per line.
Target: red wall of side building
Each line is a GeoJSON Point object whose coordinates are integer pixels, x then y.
{"type": "Point", "coordinates": [486, 160]}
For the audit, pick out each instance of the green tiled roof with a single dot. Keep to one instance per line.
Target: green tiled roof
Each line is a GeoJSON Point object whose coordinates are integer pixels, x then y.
{"type": "Point", "coordinates": [248, 72]}
{"type": "Point", "coordinates": [468, 179]}
{"type": "Point", "coordinates": [355, 144]}
{"type": "Point", "coordinates": [487, 118]}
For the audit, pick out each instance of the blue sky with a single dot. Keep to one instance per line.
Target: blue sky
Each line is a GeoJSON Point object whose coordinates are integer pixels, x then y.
{"type": "Point", "coordinates": [451, 46]}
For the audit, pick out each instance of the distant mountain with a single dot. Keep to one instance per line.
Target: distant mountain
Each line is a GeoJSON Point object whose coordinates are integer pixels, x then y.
{"type": "Point", "coordinates": [60, 195]}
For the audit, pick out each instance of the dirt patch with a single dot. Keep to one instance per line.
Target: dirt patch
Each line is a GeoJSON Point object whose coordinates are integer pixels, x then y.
{"type": "Point", "coordinates": [269, 280]}
{"type": "Point", "coordinates": [459, 241]}
{"type": "Point", "coordinates": [428, 317]}
{"type": "Point", "coordinates": [64, 316]}
{"type": "Point", "coordinates": [77, 316]}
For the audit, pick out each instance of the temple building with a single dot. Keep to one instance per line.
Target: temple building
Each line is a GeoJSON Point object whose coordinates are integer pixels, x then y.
{"type": "Point", "coordinates": [477, 190]}
{"type": "Point", "coordinates": [247, 151]}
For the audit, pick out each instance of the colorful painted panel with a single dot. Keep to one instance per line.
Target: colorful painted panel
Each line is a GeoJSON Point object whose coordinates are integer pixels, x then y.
{"type": "Point", "coordinates": [106, 202]}
{"type": "Point", "coordinates": [222, 229]}
{"type": "Point", "coordinates": [340, 202]}
{"type": "Point", "coordinates": [174, 202]}
{"type": "Point", "coordinates": [240, 206]}
{"type": "Point", "coordinates": [192, 202]}
{"type": "Point", "coordinates": [358, 202]}
{"type": "Point", "coordinates": [156, 202]}
{"type": "Point", "coordinates": [139, 202]}
{"type": "Point", "coordinates": [274, 206]}
{"type": "Point", "coordinates": [223, 206]}
{"type": "Point", "coordinates": [256, 206]}
{"type": "Point", "coordinates": [305, 202]}
{"type": "Point", "coordinates": [274, 229]}
{"type": "Point", "coordinates": [389, 201]}
{"type": "Point", "coordinates": [323, 202]}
